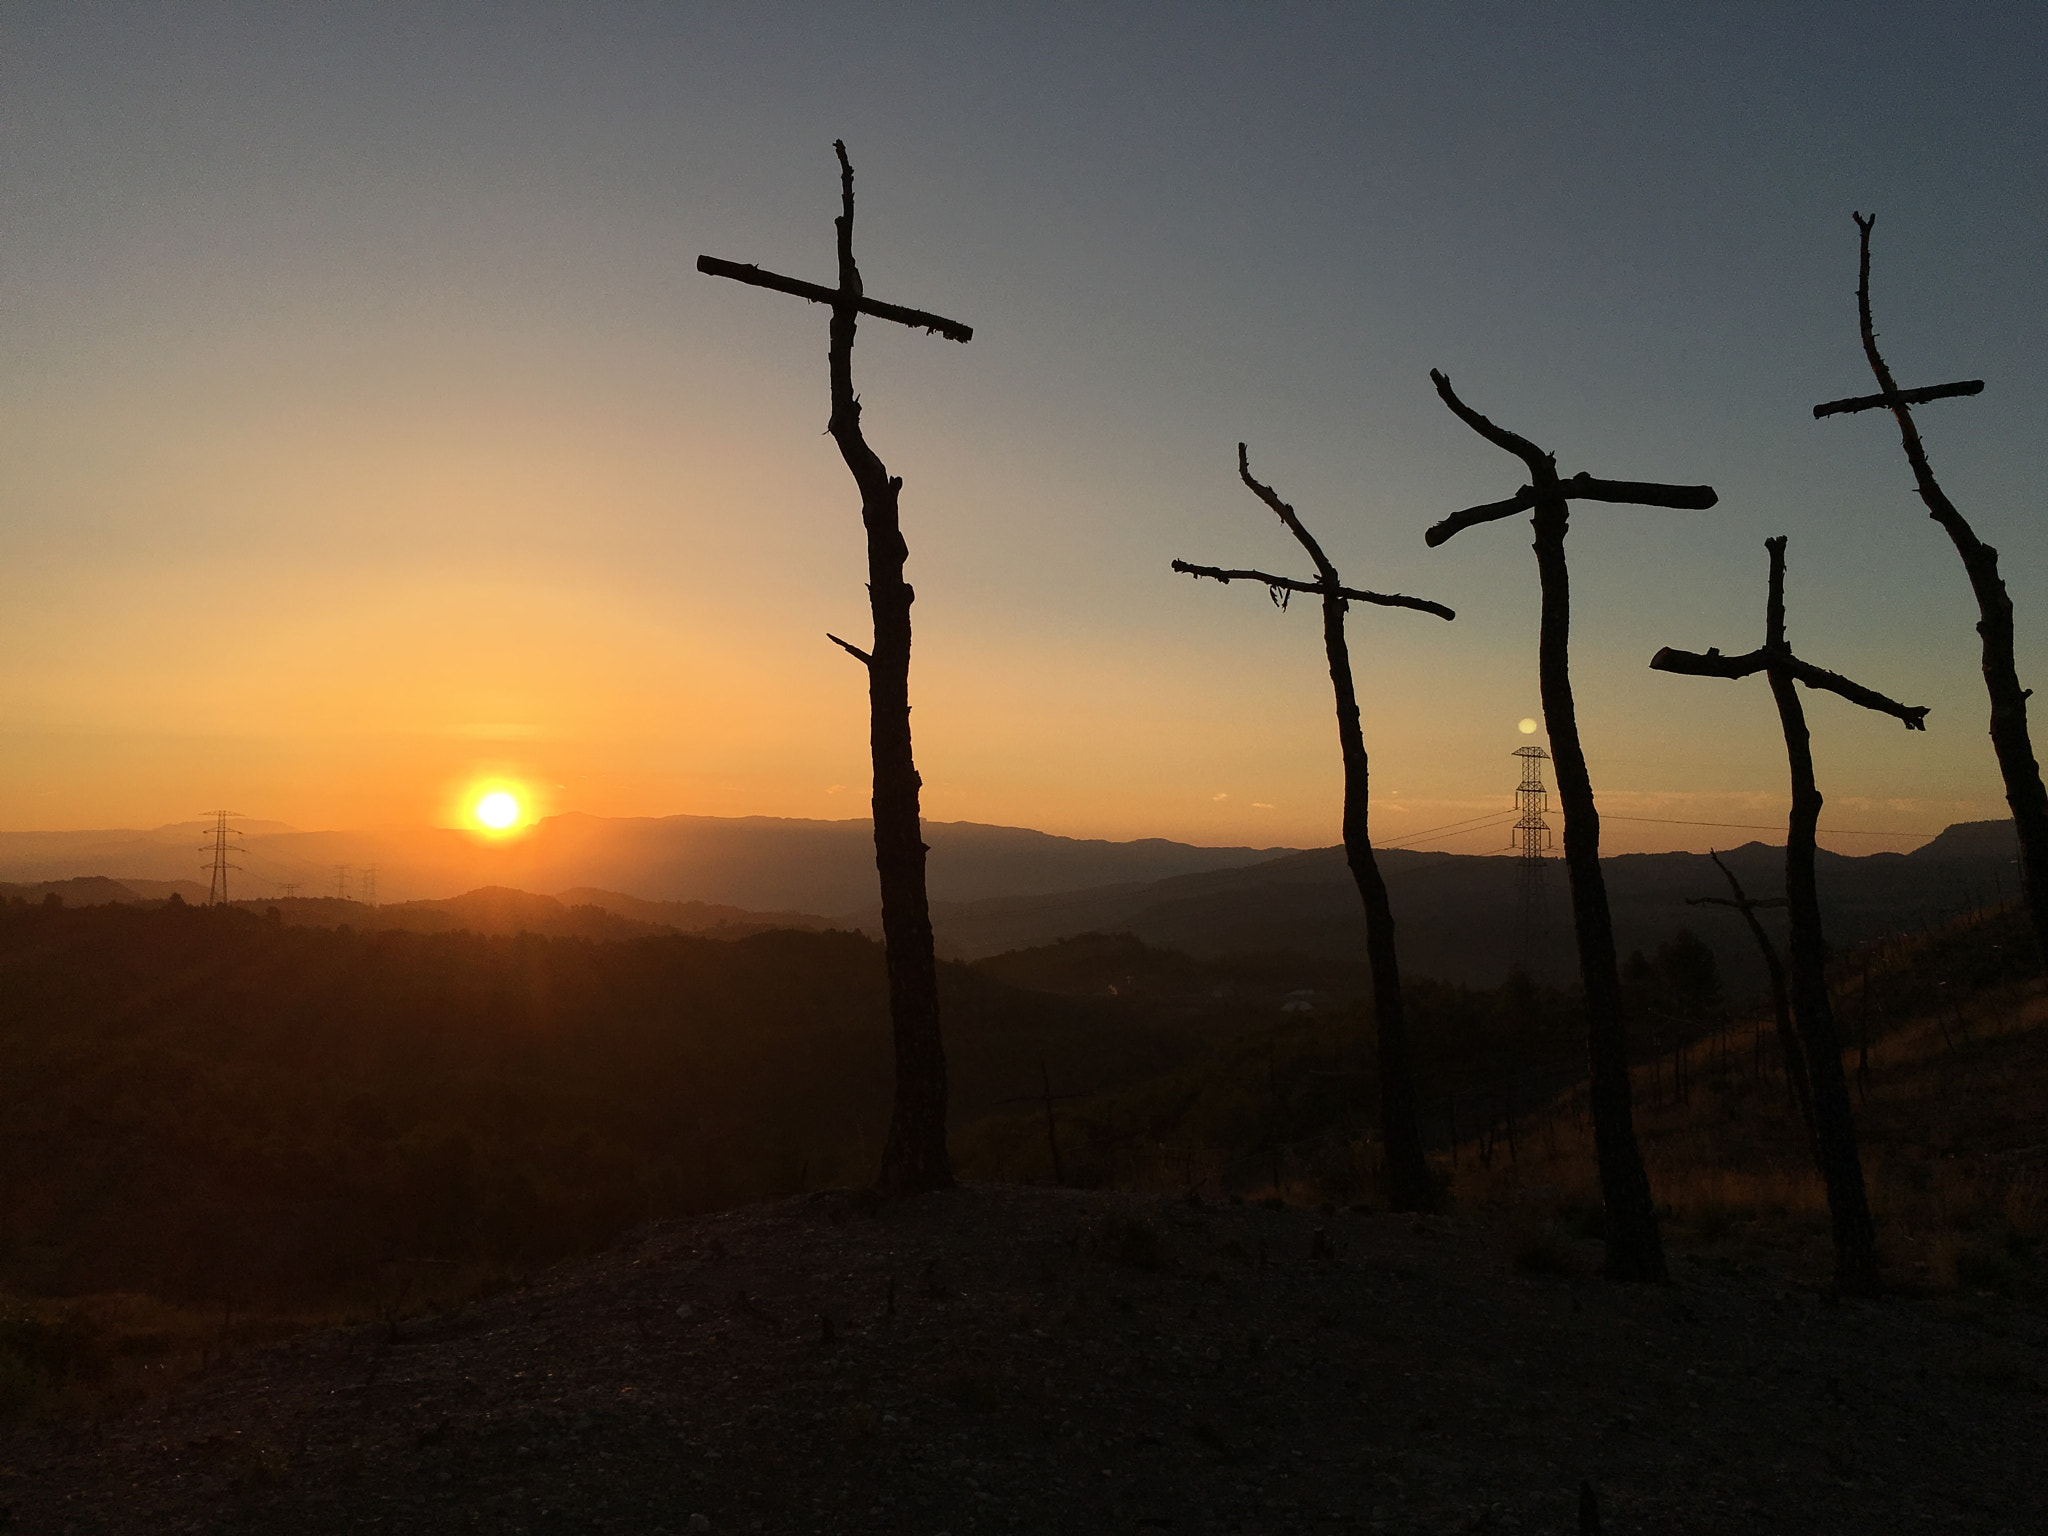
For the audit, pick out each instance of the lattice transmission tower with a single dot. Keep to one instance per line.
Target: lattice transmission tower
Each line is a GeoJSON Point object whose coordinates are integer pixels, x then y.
{"type": "Point", "coordinates": [1531, 842]}
{"type": "Point", "coordinates": [217, 869]}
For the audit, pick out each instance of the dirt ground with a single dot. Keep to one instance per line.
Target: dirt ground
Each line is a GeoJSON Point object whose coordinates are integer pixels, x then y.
{"type": "Point", "coordinates": [1000, 1358]}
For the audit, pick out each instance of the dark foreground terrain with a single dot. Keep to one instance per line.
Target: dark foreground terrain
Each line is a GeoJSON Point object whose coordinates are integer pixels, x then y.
{"type": "Point", "coordinates": [1004, 1359]}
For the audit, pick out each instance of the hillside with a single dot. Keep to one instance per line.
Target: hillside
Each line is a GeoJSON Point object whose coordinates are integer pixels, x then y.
{"type": "Point", "coordinates": [198, 1103]}
{"type": "Point", "coordinates": [577, 914]}
{"type": "Point", "coordinates": [352, 1117]}
{"type": "Point", "coordinates": [1001, 1358]}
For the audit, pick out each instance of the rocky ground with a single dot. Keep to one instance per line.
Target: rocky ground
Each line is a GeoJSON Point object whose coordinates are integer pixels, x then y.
{"type": "Point", "coordinates": [1000, 1359]}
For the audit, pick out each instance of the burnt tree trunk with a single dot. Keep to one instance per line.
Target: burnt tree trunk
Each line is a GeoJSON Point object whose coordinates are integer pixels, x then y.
{"type": "Point", "coordinates": [914, 1157]}
{"type": "Point", "coordinates": [1408, 1182]}
{"type": "Point", "coordinates": [1635, 1251]}
{"type": "Point", "coordinates": [2010, 739]}
{"type": "Point", "coordinates": [1834, 1124]}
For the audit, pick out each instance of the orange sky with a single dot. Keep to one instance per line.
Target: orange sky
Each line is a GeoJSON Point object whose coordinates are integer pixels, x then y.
{"type": "Point", "coordinates": [364, 431]}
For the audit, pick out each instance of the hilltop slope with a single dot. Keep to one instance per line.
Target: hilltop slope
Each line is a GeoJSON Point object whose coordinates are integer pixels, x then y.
{"type": "Point", "coordinates": [1005, 1358]}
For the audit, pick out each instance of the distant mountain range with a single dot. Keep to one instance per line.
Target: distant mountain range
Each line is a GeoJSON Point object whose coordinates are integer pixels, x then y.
{"type": "Point", "coordinates": [1458, 915]}
{"type": "Point", "coordinates": [997, 889]}
{"type": "Point", "coordinates": [754, 862]}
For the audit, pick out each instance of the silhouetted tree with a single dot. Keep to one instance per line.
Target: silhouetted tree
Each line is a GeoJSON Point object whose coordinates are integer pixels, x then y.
{"type": "Point", "coordinates": [1634, 1249]}
{"type": "Point", "coordinates": [1834, 1124]}
{"type": "Point", "coordinates": [1408, 1183]}
{"type": "Point", "coordinates": [1781, 997]}
{"type": "Point", "coordinates": [2010, 740]}
{"type": "Point", "coordinates": [914, 1156]}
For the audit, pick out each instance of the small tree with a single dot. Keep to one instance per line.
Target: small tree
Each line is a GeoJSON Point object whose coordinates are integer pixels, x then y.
{"type": "Point", "coordinates": [1834, 1124]}
{"type": "Point", "coordinates": [1774, 968]}
{"type": "Point", "coordinates": [1408, 1182]}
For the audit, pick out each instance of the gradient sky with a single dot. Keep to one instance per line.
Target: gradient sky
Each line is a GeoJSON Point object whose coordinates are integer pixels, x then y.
{"type": "Point", "coordinates": [365, 430]}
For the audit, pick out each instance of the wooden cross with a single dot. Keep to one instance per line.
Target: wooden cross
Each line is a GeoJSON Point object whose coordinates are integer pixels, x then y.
{"type": "Point", "coordinates": [1634, 1249]}
{"type": "Point", "coordinates": [2011, 739]}
{"type": "Point", "coordinates": [914, 1157]}
{"type": "Point", "coordinates": [746, 272]}
{"type": "Point", "coordinates": [1774, 658]}
{"type": "Point", "coordinates": [1327, 585]}
{"type": "Point", "coordinates": [1891, 397]}
{"type": "Point", "coordinates": [1408, 1178]}
{"type": "Point", "coordinates": [1841, 1167]}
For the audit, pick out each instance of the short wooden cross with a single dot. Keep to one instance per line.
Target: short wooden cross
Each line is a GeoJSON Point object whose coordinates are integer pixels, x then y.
{"type": "Point", "coordinates": [1834, 1127]}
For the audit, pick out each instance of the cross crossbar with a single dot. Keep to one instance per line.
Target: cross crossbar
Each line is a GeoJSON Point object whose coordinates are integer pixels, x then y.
{"type": "Point", "coordinates": [1580, 487]}
{"type": "Point", "coordinates": [1775, 656]}
{"type": "Point", "coordinates": [746, 272]}
{"type": "Point", "coordinates": [1320, 589]}
{"type": "Point", "coordinates": [1899, 397]}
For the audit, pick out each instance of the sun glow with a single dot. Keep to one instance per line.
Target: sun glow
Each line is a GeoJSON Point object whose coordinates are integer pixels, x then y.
{"type": "Point", "coordinates": [499, 810]}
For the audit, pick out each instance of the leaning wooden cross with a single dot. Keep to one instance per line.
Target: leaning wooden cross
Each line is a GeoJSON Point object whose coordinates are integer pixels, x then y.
{"type": "Point", "coordinates": [915, 1156]}
{"type": "Point", "coordinates": [1634, 1249]}
{"type": "Point", "coordinates": [2011, 741]}
{"type": "Point", "coordinates": [1408, 1181]}
{"type": "Point", "coordinates": [1833, 1125]}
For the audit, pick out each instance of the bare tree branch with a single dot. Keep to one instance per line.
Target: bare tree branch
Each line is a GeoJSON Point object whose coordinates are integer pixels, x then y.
{"type": "Point", "coordinates": [1285, 513]}
{"type": "Point", "coordinates": [1902, 397]}
{"type": "Point", "coordinates": [1915, 715]}
{"type": "Point", "coordinates": [1742, 897]}
{"type": "Point", "coordinates": [1319, 589]}
{"type": "Point", "coordinates": [852, 650]}
{"type": "Point", "coordinates": [1500, 437]}
{"type": "Point", "coordinates": [1798, 1081]}
{"type": "Point", "coordinates": [747, 272]}
{"type": "Point", "coordinates": [1439, 533]}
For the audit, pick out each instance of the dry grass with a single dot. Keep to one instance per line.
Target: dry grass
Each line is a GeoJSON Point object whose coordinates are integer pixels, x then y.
{"type": "Point", "coordinates": [1953, 1119]}
{"type": "Point", "coordinates": [82, 1355]}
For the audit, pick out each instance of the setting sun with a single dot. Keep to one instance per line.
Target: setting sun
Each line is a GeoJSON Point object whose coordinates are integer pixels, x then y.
{"type": "Point", "coordinates": [497, 810]}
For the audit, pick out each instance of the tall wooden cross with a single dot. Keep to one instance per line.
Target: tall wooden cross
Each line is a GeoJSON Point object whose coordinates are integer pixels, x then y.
{"type": "Point", "coordinates": [1834, 1126]}
{"type": "Point", "coordinates": [1634, 1249]}
{"type": "Point", "coordinates": [2011, 739]}
{"type": "Point", "coordinates": [915, 1156]}
{"type": "Point", "coordinates": [1408, 1181]}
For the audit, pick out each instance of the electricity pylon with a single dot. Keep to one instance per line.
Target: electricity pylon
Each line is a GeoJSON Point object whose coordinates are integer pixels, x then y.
{"type": "Point", "coordinates": [1531, 839]}
{"type": "Point", "coordinates": [218, 867]}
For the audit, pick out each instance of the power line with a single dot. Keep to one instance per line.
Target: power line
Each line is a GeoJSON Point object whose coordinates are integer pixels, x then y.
{"type": "Point", "coordinates": [1448, 829]}
{"type": "Point", "coordinates": [1763, 826]}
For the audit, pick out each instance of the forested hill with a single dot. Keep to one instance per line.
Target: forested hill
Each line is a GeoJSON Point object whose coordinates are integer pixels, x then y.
{"type": "Point", "coordinates": [1459, 915]}
{"type": "Point", "coordinates": [203, 1102]}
